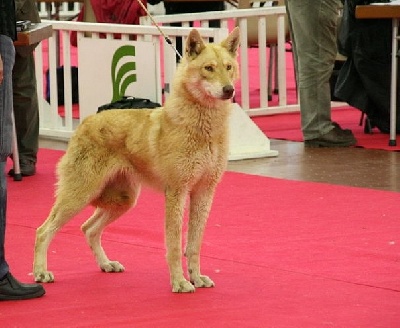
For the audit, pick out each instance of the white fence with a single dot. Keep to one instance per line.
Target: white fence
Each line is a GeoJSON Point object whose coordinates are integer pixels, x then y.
{"type": "Point", "coordinates": [59, 50]}
{"type": "Point", "coordinates": [61, 10]}
{"type": "Point", "coordinates": [240, 17]}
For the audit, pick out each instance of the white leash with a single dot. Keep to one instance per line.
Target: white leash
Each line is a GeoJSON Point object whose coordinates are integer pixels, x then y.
{"type": "Point", "coordinates": [166, 38]}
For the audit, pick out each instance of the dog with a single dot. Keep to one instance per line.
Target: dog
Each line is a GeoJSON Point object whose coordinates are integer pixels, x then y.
{"type": "Point", "coordinates": [180, 149]}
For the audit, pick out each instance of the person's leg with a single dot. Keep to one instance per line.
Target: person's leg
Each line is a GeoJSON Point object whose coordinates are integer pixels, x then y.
{"type": "Point", "coordinates": [313, 26]}
{"type": "Point", "coordinates": [3, 205]}
{"type": "Point", "coordinates": [26, 112]}
{"type": "Point", "coordinates": [7, 54]}
{"type": "Point", "coordinates": [10, 288]}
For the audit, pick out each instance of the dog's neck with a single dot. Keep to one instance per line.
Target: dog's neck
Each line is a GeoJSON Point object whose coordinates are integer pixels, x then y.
{"type": "Point", "coordinates": [205, 121]}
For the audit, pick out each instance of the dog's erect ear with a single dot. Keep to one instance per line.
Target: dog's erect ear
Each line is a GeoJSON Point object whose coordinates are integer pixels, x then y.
{"type": "Point", "coordinates": [232, 41]}
{"type": "Point", "coordinates": [194, 44]}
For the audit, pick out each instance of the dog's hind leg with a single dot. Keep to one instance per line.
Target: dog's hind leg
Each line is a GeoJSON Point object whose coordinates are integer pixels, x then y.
{"type": "Point", "coordinates": [200, 204]}
{"type": "Point", "coordinates": [62, 211]}
{"type": "Point", "coordinates": [117, 197]}
{"type": "Point", "coordinates": [72, 196]}
{"type": "Point", "coordinates": [93, 229]}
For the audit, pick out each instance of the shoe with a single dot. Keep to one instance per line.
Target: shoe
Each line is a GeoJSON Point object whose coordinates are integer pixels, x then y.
{"type": "Point", "coordinates": [382, 125]}
{"type": "Point", "coordinates": [348, 131]}
{"type": "Point", "coordinates": [334, 138]}
{"type": "Point", "coordinates": [12, 289]}
{"type": "Point", "coordinates": [27, 167]}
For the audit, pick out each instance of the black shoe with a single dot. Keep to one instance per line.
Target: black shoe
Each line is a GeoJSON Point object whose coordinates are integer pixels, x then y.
{"type": "Point", "coordinates": [334, 138]}
{"type": "Point", "coordinates": [382, 125]}
{"type": "Point", "coordinates": [27, 167]}
{"type": "Point", "coordinates": [12, 289]}
{"type": "Point", "coordinates": [348, 131]}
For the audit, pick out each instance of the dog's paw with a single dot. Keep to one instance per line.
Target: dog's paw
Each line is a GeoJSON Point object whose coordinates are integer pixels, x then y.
{"type": "Point", "coordinates": [112, 266]}
{"type": "Point", "coordinates": [182, 286]}
{"type": "Point", "coordinates": [202, 282]}
{"type": "Point", "coordinates": [45, 276]}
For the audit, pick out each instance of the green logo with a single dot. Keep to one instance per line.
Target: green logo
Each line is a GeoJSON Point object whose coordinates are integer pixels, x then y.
{"type": "Point", "coordinates": [122, 78]}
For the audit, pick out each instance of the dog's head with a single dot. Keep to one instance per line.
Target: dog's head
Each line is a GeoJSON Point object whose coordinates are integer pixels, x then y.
{"type": "Point", "coordinates": [209, 71]}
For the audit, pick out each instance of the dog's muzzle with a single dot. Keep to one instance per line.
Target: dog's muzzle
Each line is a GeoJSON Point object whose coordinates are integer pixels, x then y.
{"type": "Point", "coordinates": [228, 91]}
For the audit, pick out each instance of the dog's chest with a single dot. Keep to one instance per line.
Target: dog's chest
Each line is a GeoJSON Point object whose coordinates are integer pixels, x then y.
{"type": "Point", "coordinates": [210, 159]}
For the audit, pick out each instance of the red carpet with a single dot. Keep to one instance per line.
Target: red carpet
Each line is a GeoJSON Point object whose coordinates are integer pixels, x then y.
{"type": "Point", "coordinates": [282, 254]}
{"type": "Point", "coordinates": [287, 127]}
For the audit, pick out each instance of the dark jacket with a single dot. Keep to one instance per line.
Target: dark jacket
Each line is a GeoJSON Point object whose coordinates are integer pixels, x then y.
{"type": "Point", "coordinates": [364, 79]}
{"type": "Point", "coordinates": [7, 19]}
{"type": "Point", "coordinates": [26, 10]}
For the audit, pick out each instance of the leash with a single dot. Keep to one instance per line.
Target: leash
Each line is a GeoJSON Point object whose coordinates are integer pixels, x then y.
{"type": "Point", "coordinates": [166, 38]}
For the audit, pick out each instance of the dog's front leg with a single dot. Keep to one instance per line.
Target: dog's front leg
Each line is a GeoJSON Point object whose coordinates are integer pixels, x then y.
{"type": "Point", "coordinates": [175, 202]}
{"type": "Point", "coordinates": [200, 204]}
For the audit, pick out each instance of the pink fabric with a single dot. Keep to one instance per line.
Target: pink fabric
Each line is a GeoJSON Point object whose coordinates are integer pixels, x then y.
{"type": "Point", "coordinates": [118, 11]}
{"type": "Point", "coordinates": [113, 12]}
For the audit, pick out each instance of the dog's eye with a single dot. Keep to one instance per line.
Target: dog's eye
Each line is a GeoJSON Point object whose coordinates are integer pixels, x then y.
{"type": "Point", "coordinates": [209, 68]}
{"type": "Point", "coordinates": [228, 67]}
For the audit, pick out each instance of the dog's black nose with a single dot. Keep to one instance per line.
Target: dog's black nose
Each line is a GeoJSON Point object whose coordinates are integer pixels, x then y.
{"type": "Point", "coordinates": [228, 91]}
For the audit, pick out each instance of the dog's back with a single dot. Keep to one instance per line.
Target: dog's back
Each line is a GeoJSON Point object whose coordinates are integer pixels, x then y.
{"type": "Point", "coordinates": [190, 131]}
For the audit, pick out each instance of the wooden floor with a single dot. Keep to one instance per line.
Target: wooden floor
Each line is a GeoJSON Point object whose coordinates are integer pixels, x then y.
{"type": "Point", "coordinates": [359, 167]}
{"type": "Point", "coordinates": [377, 169]}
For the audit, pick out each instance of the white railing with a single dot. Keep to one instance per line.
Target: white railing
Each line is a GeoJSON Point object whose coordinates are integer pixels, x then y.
{"type": "Point", "coordinates": [63, 10]}
{"type": "Point", "coordinates": [230, 18]}
{"type": "Point", "coordinates": [59, 51]}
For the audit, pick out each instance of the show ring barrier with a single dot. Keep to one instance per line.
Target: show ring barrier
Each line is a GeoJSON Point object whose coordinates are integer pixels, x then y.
{"type": "Point", "coordinates": [247, 141]}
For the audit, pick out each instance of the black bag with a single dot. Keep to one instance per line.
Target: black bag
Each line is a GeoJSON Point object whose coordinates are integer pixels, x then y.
{"type": "Point", "coordinates": [129, 103]}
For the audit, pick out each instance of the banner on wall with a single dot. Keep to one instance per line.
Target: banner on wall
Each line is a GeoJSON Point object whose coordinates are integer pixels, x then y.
{"type": "Point", "coordinates": [110, 69]}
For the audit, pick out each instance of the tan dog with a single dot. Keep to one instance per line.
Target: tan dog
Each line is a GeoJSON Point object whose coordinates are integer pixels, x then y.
{"type": "Point", "coordinates": [180, 149]}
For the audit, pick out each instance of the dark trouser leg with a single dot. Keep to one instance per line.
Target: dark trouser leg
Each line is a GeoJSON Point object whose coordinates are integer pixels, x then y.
{"type": "Point", "coordinates": [26, 109]}
{"type": "Point", "coordinates": [3, 206]}
{"type": "Point", "coordinates": [7, 53]}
